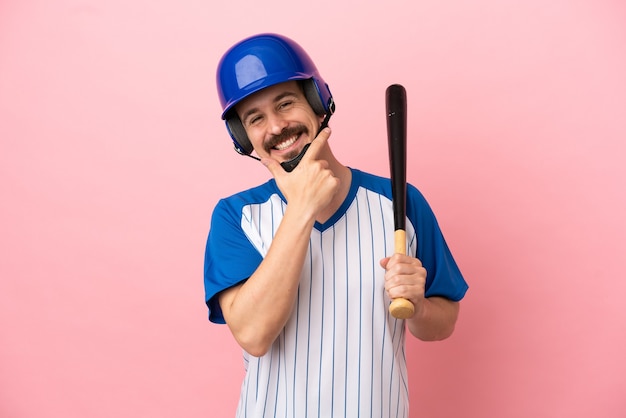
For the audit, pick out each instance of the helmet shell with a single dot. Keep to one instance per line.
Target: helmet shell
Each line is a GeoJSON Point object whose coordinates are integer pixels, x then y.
{"type": "Point", "coordinates": [262, 61]}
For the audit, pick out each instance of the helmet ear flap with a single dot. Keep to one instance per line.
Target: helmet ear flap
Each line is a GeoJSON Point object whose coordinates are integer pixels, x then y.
{"type": "Point", "coordinates": [314, 97]}
{"type": "Point", "coordinates": [238, 133]}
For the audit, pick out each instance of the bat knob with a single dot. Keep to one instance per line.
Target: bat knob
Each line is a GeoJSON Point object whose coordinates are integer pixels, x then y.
{"type": "Point", "coordinates": [401, 308]}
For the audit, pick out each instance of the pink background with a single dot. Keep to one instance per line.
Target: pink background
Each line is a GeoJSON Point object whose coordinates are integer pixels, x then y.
{"type": "Point", "coordinates": [112, 155]}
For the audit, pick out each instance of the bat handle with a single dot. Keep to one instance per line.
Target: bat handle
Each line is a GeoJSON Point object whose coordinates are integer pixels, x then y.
{"type": "Point", "coordinates": [401, 308]}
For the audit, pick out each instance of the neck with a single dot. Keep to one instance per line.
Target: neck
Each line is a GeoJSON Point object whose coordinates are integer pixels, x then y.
{"type": "Point", "coordinates": [344, 175]}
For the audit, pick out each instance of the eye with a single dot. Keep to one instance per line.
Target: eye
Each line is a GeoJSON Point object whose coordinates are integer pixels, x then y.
{"type": "Point", "coordinates": [285, 104]}
{"type": "Point", "coordinates": [254, 119]}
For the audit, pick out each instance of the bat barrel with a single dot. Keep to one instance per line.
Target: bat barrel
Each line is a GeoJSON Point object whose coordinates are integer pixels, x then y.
{"type": "Point", "coordinates": [395, 99]}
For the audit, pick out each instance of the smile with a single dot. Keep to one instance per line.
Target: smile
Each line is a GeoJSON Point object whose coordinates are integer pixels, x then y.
{"type": "Point", "coordinates": [287, 143]}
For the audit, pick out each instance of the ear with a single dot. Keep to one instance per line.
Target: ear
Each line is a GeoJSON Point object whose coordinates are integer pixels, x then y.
{"type": "Point", "coordinates": [238, 134]}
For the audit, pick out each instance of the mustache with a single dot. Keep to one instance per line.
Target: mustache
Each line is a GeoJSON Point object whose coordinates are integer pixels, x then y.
{"type": "Point", "coordinates": [285, 134]}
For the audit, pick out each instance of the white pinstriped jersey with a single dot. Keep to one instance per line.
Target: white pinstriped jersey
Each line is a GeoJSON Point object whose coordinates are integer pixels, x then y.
{"type": "Point", "coordinates": [340, 354]}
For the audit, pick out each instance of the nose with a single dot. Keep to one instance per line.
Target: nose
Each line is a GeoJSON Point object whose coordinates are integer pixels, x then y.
{"type": "Point", "coordinates": [276, 124]}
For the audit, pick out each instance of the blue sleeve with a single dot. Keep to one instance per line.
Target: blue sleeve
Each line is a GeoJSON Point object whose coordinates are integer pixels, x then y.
{"type": "Point", "coordinates": [443, 275]}
{"type": "Point", "coordinates": [229, 257]}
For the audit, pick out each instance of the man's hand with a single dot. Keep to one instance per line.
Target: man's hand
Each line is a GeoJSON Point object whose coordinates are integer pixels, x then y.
{"type": "Point", "coordinates": [405, 277]}
{"type": "Point", "coordinates": [311, 186]}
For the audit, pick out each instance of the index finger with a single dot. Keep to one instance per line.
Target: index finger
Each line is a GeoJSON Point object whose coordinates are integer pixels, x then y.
{"type": "Point", "coordinates": [317, 144]}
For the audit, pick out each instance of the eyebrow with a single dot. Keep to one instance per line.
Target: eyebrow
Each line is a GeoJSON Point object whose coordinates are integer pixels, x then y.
{"type": "Point", "coordinates": [276, 99]}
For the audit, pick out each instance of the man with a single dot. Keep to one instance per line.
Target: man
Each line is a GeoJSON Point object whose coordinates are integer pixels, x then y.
{"type": "Point", "coordinates": [301, 268]}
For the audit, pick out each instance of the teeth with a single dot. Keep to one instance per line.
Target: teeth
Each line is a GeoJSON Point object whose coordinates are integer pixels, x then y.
{"type": "Point", "coordinates": [287, 143]}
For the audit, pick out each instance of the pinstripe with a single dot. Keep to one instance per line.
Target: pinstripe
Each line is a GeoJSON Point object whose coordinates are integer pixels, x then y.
{"type": "Point", "coordinates": [278, 365]}
{"type": "Point", "coordinates": [268, 378]}
{"type": "Point", "coordinates": [319, 384]}
{"type": "Point", "coordinates": [347, 333]}
{"type": "Point", "coordinates": [373, 301]}
{"type": "Point", "coordinates": [385, 228]}
{"type": "Point", "coordinates": [360, 346]}
{"type": "Point", "coordinates": [295, 355]}
{"type": "Point", "coordinates": [308, 344]}
{"type": "Point", "coordinates": [332, 396]}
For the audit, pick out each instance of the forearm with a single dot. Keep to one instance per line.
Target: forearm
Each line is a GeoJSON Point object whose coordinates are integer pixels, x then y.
{"type": "Point", "coordinates": [434, 319]}
{"type": "Point", "coordinates": [258, 310]}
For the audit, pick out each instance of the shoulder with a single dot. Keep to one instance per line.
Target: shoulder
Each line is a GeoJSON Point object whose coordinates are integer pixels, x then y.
{"type": "Point", "coordinates": [372, 182]}
{"type": "Point", "coordinates": [254, 195]}
{"type": "Point", "coordinates": [382, 185]}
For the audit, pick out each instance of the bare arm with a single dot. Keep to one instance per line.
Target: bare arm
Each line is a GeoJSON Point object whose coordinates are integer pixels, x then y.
{"type": "Point", "coordinates": [257, 310]}
{"type": "Point", "coordinates": [435, 319]}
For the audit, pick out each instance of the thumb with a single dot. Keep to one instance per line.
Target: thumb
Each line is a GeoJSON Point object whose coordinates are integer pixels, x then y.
{"type": "Point", "coordinates": [272, 165]}
{"type": "Point", "coordinates": [384, 261]}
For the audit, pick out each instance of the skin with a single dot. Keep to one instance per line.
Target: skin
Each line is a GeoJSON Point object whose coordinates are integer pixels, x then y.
{"type": "Point", "coordinates": [257, 310]}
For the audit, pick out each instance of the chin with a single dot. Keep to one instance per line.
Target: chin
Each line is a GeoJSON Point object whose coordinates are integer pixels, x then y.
{"type": "Point", "coordinates": [290, 156]}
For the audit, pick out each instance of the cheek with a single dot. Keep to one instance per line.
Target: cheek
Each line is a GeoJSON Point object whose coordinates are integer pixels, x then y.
{"type": "Point", "coordinates": [256, 139]}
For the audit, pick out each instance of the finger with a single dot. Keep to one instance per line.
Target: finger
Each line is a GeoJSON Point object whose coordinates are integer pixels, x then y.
{"type": "Point", "coordinates": [396, 262]}
{"type": "Point", "coordinates": [406, 259]}
{"type": "Point", "coordinates": [318, 143]}
{"type": "Point", "coordinates": [273, 166]}
{"type": "Point", "coordinates": [383, 262]}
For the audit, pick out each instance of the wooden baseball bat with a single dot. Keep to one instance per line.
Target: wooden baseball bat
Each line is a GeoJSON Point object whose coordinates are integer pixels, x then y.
{"type": "Point", "coordinates": [395, 99]}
